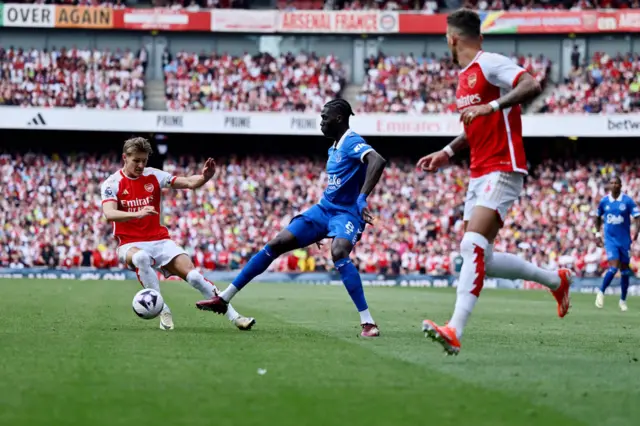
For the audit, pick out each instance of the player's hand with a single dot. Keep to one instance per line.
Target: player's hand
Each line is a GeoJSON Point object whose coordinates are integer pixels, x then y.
{"type": "Point", "coordinates": [367, 216]}
{"type": "Point", "coordinates": [146, 211]}
{"type": "Point", "coordinates": [209, 169]}
{"type": "Point", "coordinates": [471, 113]}
{"type": "Point", "coordinates": [433, 162]}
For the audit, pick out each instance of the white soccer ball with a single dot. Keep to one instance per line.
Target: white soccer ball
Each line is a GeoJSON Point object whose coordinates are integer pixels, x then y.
{"type": "Point", "coordinates": [147, 303]}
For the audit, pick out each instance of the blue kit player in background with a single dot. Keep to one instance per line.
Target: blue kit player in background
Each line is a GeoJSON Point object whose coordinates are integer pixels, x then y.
{"type": "Point", "coordinates": [617, 209]}
{"type": "Point", "coordinates": [353, 169]}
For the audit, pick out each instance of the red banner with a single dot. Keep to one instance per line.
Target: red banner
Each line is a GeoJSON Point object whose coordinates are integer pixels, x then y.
{"type": "Point", "coordinates": [552, 22]}
{"type": "Point", "coordinates": [358, 22]}
{"type": "Point", "coordinates": [414, 23]}
{"type": "Point", "coordinates": [161, 19]}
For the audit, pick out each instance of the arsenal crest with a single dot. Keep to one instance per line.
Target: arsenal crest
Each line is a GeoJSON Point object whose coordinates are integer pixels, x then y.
{"type": "Point", "coordinates": [149, 187]}
{"type": "Point", "coordinates": [471, 80]}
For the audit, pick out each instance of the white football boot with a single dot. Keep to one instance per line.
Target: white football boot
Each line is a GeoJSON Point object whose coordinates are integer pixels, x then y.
{"type": "Point", "coordinates": [599, 299]}
{"type": "Point", "coordinates": [244, 323]}
{"type": "Point", "coordinates": [623, 306]}
{"type": "Point", "coordinates": [166, 319]}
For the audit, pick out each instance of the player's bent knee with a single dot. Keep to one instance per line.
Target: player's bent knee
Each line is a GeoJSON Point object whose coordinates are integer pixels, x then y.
{"type": "Point", "coordinates": [285, 241]}
{"type": "Point", "coordinates": [141, 259]}
{"type": "Point", "coordinates": [340, 251]}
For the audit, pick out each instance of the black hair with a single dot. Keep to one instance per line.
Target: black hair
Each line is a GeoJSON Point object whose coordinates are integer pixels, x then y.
{"type": "Point", "coordinates": [340, 106]}
{"type": "Point", "coordinates": [466, 21]}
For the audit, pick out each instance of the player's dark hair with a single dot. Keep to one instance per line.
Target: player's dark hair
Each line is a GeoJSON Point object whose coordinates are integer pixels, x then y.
{"type": "Point", "coordinates": [465, 21]}
{"type": "Point", "coordinates": [340, 106]}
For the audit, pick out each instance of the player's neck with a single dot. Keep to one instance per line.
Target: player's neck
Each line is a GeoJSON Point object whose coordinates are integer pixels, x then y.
{"type": "Point", "coordinates": [339, 135]}
{"type": "Point", "coordinates": [467, 55]}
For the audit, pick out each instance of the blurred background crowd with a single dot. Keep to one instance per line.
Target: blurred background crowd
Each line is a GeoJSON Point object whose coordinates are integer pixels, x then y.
{"type": "Point", "coordinates": [50, 214]}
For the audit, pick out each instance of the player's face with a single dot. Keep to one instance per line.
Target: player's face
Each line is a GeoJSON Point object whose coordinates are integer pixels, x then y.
{"type": "Point", "coordinates": [615, 186]}
{"type": "Point", "coordinates": [329, 122]}
{"type": "Point", "coordinates": [135, 163]}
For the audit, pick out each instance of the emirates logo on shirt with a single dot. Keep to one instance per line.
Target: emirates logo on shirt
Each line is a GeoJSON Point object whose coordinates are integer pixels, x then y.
{"type": "Point", "coordinates": [149, 187]}
{"type": "Point", "coordinates": [468, 100]}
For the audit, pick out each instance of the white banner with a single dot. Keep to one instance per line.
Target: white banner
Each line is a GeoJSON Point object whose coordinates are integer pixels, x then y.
{"type": "Point", "coordinates": [272, 123]}
{"type": "Point", "coordinates": [28, 15]}
{"type": "Point", "coordinates": [244, 21]}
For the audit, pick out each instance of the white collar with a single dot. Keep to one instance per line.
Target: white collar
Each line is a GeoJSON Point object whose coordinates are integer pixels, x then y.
{"type": "Point", "coordinates": [617, 199]}
{"type": "Point", "coordinates": [339, 144]}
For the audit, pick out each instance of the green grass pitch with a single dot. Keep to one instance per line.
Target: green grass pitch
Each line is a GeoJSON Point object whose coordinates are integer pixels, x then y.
{"type": "Point", "coordinates": [73, 353]}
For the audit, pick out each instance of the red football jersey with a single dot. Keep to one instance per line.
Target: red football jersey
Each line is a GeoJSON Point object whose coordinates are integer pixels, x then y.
{"type": "Point", "coordinates": [495, 140]}
{"type": "Point", "coordinates": [134, 194]}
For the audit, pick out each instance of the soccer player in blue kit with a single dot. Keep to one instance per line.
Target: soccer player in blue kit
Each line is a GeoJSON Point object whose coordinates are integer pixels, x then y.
{"type": "Point", "coordinates": [353, 169]}
{"type": "Point", "coordinates": [617, 209]}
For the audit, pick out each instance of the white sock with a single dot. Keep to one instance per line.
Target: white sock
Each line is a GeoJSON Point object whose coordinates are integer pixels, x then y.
{"type": "Point", "coordinates": [512, 267]}
{"type": "Point", "coordinates": [200, 283]}
{"type": "Point", "coordinates": [147, 276]}
{"type": "Point", "coordinates": [229, 292]}
{"type": "Point", "coordinates": [206, 288]}
{"type": "Point", "coordinates": [365, 317]}
{"type": "Point", "coordinates": [471, 279]}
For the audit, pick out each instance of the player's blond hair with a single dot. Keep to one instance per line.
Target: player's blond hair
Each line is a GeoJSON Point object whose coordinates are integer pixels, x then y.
{"type": "Point", "coordinates": [135, 145]}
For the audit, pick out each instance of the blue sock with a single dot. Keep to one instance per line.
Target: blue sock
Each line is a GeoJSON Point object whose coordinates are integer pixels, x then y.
{"type": "Point", "coordinates": [352, 282]}
{"type": "Point", "coordinates": [256, 265]}
{"type": "Point", "coordinates": [608, 277]}
{"type": "Point", "coordinates": [624, 284]}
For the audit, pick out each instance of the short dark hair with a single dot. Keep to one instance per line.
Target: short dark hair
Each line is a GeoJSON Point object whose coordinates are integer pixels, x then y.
{"type": "Point", "coordinates": [466, 21]}
{"type": "Point", "coordinates": [341, 106]}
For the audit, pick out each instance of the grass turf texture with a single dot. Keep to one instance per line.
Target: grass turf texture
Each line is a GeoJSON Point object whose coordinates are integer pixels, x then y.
{"type": "Point", "coordinates": [74, 353]}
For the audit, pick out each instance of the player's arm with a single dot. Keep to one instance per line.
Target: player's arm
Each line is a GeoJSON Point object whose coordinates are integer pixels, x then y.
{"type": "Point", "coordinates": [599, 219]}
{"type": "Point", "coordinates": [431, 162]}
{"type": "Point", "coordinates": [112, 214]}
{"type": "Point", "coordinates": [196, 181]}
{"type": "Point", "coordinates": [525, 90]}
{"type": "Point", "coordinates": [375, 166]}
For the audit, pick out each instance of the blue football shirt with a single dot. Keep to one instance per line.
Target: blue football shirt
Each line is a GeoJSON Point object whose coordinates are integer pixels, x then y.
{"type": "Point", "coordinates": [346, 171]}
{"type": "Point", "coordinates": [617, 214]}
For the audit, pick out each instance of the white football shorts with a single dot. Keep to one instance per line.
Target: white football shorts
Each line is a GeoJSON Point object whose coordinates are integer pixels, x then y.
{"type": "Point", "coordinates": [162, 252]}
{"type": "Point", "coordinates": [497, 191]}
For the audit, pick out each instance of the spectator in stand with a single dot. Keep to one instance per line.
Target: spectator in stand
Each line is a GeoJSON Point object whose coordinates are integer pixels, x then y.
{"type": "Point", "coordinates": [606, 85]}
{"type": "Point", "coordinates": [73, 78]}
{"type": "Point", "coordinates": [49, 214]}
{"type": "Point", "coordinates": [302, 82]}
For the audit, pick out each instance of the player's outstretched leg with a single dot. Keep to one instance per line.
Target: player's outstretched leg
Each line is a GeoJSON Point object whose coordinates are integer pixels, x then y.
{"type": "Point", "coordinates": [512, 267]}
{"type": "Point", "coordinates": [183, 267]}
{"type": "Point", "coordinates": [143, 263]}
{"type": "Point", "coordinates": [625, 275]}
{"type": "Point", "coordinates": [340, 250]}
{"type": "Point", "coordinates": [219, 303]}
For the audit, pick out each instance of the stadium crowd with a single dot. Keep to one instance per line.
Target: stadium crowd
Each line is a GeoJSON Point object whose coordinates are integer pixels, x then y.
{"type": "Point", "coordinates": [423, 84]}
{"type": "Point", "coordinates": [50, 214]}
{"type": "Point", "coordinates": [302, 82]}
{"type": "Point", "coordinates": [606, 84]}
{"type": "Point", "coordinates": [415, 84]}
{"type": "Point", "coordinates": [74, 78]}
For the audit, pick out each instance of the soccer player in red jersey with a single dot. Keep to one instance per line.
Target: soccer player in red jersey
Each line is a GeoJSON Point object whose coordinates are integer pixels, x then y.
{"type": "Point", "coordinates": [132, 201]}
{"type": "Point", "coordinates": [490, 90]}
